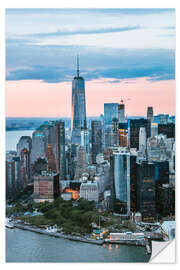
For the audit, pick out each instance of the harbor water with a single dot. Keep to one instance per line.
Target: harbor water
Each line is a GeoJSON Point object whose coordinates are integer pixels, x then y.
{"type": "Point", "coordinates": [25, 246]}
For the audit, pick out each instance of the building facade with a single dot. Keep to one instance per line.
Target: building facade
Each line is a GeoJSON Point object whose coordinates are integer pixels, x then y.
{"type": "Point", "coordinates": [96, 139]}
{"type": "Point", "coordinates": [60, 149]}
{"type": "Point", "coordinates": [78, 107]}
{"type": "Point", "coordinates": [46, 187]}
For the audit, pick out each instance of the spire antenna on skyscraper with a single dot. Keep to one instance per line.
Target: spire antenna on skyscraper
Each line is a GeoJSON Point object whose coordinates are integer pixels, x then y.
{"type": "Point", "coordinates": [78, 65]}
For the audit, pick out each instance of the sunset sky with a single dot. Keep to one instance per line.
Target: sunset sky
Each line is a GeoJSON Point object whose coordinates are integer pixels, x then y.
{"type": "Point", "coordinates": [124, 53]}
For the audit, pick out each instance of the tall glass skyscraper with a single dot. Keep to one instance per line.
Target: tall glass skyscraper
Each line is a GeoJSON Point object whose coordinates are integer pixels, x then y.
{"type": "Point", "coordinates": [122, 178]}
{"type": "Point", "coordinates": [78, 120]}
{"type": "Point", "coordinates": [110, 112]}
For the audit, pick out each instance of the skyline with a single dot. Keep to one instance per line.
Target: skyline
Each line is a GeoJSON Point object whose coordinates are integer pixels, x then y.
{"type": "Point", "coordinates": [132, 57]}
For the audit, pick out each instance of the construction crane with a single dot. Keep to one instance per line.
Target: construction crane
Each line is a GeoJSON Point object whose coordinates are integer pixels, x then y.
{"type": "Point", "coordinates": [123, 100]}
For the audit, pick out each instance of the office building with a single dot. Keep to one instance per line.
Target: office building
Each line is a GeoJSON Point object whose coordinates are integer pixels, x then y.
{"type": "Point", "coordinates": [122, 181]}
{"type": "Point", "coordinates": [123, 134]}
{"type": "Point", "coordinates": [110, 112]}
{"type": "Point", "coordinates": [60, 149]}
{"type": "Point", "coordinates": [161, 118]}
{"type": "Point", "coordinates": [159, 148]}
{"type": "Point", "coordinates": [111, 134]}
{"type": "Point", "coordinates": [17, 176]}
{"type": "Point", "coordinates": [81, 166]}
{"type": "Point", "coordinates": [134, 126]}
{"type": "Point", "coordinates": [165, 200]}
{"type": "Point", "coordinates": [167, 129]}
{"type": "Point", "coordinates": [10, 179]}
{"type": "Point", "coordinates": [25, 142]}
{"type": "Point", "coordinates": [85, 142]}
{"type": "Point", "coordinates": [46, 187]}
{"type": "Point", "coordinates": [50, 158]}
{"type": "Point", "coordinates": [78, 120]}
{"type": "Point", "coordinates": [154, 129]}
{"type": "Point", "coordinates": [150, 114]}
{"type": "Point", "coordinates": [121, 115]}
{"type": "Point", "coordinates": [38, 146]}
{"type": "Point", "coordinates": [161, 172]}
{"type": "Point", "coordinates": [146, 191]}
{"type": "Point", "coordinates": [25, 168]}
{"type": "Point", "coordinates": [52, 138]}
{"type": "Point", "coordinates": [89, 191]}
{"type": "Point", "coordinates": [96, 129]}
{"type": "Point", "coordinates": [142, 141]}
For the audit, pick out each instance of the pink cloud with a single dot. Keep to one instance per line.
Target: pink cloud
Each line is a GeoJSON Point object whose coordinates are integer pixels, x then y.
{"type": "Point", "coordinates": [30, 98]}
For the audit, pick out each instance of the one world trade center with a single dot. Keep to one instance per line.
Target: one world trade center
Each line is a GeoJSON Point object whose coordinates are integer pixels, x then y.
{"type": "Point", "coordinates": [78, 119]}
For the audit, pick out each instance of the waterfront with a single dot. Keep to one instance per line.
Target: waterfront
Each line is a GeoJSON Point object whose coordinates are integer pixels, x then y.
{"type": "Point", "coordinates": [25, 246]}
{"type": "Point", "coordinates": [12, 138]}
{"type": "Point", "coordinates": [43, 248]}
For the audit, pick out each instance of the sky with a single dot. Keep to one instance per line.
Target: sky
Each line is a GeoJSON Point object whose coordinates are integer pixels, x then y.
{"type": "Point", "coordinates": [124, 53]}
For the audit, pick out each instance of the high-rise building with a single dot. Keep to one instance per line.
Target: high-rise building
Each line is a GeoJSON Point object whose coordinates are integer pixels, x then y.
{"type": "Point", "coordinates": [52, 138]}
{"type": "Point", "coordinates": [50, 158]}
{"type": "Point", "coordinates": [25, 169]}
{"type": "Point", "coordinates": [121, 115]}
{"type": "Point", "coordinates": [38, 146]}
{"type": "Point", "coordinates": [165, 200]}
{"type": "Point", "coordinates": [17, 176]}
{"type": "Point", "coordinates": [111, 134]}
{"type": "Point", "coordinates": [161, 118]}
{"type": "Point", "coordinates": [123, 134]}
{"type": "Point", "coordinates": [46, 187]}
{"type": "Point", "coordinates": [44, 128]}
{"type": "Point", "coordinates": [78, 120]}
{"type": "Point", "coordinates": [115, 136]}
{"type": "Point", "coordinates": [110, 112]}
{"type": "Point", "coordinates": [60, 149]}
{"type": "Point", "coordinates": [161, 172]}
{"type": "Point", "coordinates": [159, 148]}
{"type": "Point", "coordinates": [150, 114]}
{"type": "Point", "coordinates": [142, 141]}
{"type": "Point", "coordinates": [167, 129]}
{"type": "Point", "coordinates": [10, 178]}
{"type": "Point", "coordinates": [81, 166]}
{"type": "Point", "coordinates": [96, 129]}
{"type": "Point", "coordinates": [154, 129]}
{"type": "Point", "coordinates": [25, 142]}
{"type": "Point", "coordinates": [122, 181]}
{"type": "Point", "coordinates": [85, 142]}
{"type": "Point", "coordinates": [89, 191]}
{"type": "Point", "coordinates": [134, 126]}
{"type": "Point", "coordinates": [146, 196]}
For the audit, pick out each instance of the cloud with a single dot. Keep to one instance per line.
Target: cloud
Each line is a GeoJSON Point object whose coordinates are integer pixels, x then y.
{"type": "Point", "coordinates": [84, 32]}
{"type": "Point", "coordinates": [107, 11]}
{"type": "Point", "coordinates": [52, 63]}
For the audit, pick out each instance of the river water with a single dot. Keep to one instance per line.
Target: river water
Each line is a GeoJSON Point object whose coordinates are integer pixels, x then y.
{"type": "Point", "coordinates": [24, 246]}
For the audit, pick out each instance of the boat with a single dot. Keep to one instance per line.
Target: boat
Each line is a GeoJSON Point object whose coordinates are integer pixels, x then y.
{"type": "Point", "coordinates": [52, 229]}
{"type": "Point", "coordinates": [9, 224]}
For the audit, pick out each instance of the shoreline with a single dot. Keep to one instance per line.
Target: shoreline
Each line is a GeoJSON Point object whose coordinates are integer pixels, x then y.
{"type": "Point", "coordinates": [60, 235]}
{"type": "Point", "coordinates": [142, 243]}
